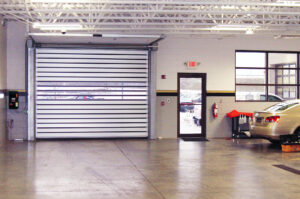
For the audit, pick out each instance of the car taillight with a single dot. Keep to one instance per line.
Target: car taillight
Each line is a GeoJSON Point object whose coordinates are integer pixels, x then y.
{"type": "Point", "coordinates": [273, 119]}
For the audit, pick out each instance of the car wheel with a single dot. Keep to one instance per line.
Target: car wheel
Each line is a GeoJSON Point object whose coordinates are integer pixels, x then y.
{"type": "Point", "coordinates": [275, 142]}
{"type": "Point", "coordinates": [297, 132]}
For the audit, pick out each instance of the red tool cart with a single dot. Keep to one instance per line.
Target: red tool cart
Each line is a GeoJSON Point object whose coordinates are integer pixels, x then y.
{"type": "Point", "coordinates": [240, 123]}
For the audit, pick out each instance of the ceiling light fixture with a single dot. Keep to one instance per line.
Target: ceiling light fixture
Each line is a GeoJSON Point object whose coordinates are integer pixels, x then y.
{"type": "Point", "coordinates": [47, 34]}
{"type": "Point", "coordinates": [289, 2]}
{"type": "Point", "coordinates": [249, 32]}
{"type": "Point", "coordinates": [228, 27]}
{"type": "Point", "coordinates": [60, 1]}
{"type": "Point", "coordinates": [129, 36]}
{"type": "Point", "coordinates": [287, 37]}
{"type": "Point", "coordinates": [277, 36]}
{"type": "Point", "coordinates": [228, 7]}
{"type": "Point", "coordinates": [57, 26]}
{"type": "Point", "coordinates": [105, 35]}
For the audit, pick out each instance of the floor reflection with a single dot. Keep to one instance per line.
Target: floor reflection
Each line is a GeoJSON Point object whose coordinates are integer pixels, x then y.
{"type": "Point", "coordinates": [147, 169]}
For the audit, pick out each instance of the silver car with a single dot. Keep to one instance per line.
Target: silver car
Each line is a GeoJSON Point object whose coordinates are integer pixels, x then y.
{"type": "Point", "coordinates": [280, 119]}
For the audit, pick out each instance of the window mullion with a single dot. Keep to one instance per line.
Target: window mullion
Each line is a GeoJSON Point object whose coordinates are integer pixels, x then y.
{"type": "Point", "coordinates": [297, 75]}
{"type": "Point", "coordinates": [267, 76]}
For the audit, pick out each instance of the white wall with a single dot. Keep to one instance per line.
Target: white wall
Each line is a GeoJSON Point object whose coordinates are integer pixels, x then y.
{"type": "Point", "coordinates": [2, 57]}
{"type": "Point", "coordinates": [16, 55]}
{"type": "Point", "coordinates": [2, 83]}
{"type": "Point", "coordinates": [166, 116]}
{"type": "Point", "coordinates": [217, 57]}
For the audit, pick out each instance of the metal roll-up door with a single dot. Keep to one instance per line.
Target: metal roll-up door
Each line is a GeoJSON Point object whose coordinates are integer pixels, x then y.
{"type": "Point", "coordinates": [91, 93]}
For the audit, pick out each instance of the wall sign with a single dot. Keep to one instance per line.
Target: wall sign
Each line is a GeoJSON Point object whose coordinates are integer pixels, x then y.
{"type": "Point", "coordinates": [192, 64]}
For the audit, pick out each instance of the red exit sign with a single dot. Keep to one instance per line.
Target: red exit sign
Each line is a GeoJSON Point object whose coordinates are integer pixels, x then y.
{"type": "Point", "coordinates": [191, 64]}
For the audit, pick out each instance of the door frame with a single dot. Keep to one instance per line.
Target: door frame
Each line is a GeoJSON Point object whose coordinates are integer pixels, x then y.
{"type": "Point", "coordinates": [148, 126]}
{"type": "Point", "coordinates": [203, 113]}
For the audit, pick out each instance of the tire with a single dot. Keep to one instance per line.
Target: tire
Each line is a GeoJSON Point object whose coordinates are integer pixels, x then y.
{"type": "Point", "coordinates": [275, 142]}
{"type": "Point", "coordinates": [297, 132]}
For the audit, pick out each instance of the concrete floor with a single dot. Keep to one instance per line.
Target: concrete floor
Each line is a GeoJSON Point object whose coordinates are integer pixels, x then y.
{"type": "Point", "coordinates": [142, 169]}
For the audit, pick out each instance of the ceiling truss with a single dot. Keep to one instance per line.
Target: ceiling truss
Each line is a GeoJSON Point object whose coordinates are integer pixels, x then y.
{"type": "Point", "coordinates": [159, 16]}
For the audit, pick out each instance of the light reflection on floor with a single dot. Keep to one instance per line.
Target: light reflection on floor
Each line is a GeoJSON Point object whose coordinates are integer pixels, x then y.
{"type": "Point", "coordinates": [147, 169]}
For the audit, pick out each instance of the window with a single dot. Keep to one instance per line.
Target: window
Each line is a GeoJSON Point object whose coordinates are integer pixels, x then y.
{"type": "Point", "coordinates": [282, 106]}
{"type": "Point", "coordinates": [266, 76]}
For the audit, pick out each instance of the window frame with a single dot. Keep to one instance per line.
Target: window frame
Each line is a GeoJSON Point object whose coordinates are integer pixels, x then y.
{"type": "Point", "coordinates": [266, 69]}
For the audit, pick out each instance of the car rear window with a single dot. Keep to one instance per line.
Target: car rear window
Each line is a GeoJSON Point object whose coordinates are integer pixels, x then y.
{"type": "Point", "coordinates": [281, 106]}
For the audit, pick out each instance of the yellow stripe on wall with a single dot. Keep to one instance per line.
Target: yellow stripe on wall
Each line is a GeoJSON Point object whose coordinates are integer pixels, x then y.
{"type": "Point", "coordinates": [218, 91]}
{"type": "Point", "coordinates": [166, 91]}
{"type": "Point", "coordinates": [208, 91]}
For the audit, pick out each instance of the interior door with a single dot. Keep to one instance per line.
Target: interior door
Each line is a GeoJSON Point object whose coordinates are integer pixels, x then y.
{"type": "Point", "coordinates": [191, 105]}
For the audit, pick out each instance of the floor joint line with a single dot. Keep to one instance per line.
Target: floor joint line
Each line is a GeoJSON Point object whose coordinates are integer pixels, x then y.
{"type": "Point", "coordinates": [134, 165]}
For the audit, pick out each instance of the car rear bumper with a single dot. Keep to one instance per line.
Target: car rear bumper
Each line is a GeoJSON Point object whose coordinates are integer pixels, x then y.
{"type": "Point", "coordinates": [267, 132]}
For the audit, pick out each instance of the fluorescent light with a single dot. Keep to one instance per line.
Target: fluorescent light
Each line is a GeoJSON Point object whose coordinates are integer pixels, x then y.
{"type": "Point", "coordinates": [277, 36]}
{"type": "Point", "coordinates": [60, 1]}
{"type": "Point", "coordinates": [57, 26]}
{"type": "Point", "coordinates": [234, 27]}
{"type": "Point", "coordinates": [289, 2]}
{"type": "Point", "coordinates": [130, 36]}
{"type": "Point", "coordinates": [287, 37]}
{"type": "Point", "coordinates": [249, 32]}
{"type": "Point", "coordinates": [227, 7]}
{"type": "Point", "coordinates": [60, 34]}
{"type": "Point", "coordinates": [105, 35]}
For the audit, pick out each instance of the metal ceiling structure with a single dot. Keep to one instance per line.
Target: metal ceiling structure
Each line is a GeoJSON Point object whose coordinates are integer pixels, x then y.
{"type": "Point", "coordinates": [271, 17]}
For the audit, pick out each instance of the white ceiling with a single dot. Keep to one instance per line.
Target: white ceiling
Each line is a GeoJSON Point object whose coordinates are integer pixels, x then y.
{"type": "Point", "coordinates": [264, 17]}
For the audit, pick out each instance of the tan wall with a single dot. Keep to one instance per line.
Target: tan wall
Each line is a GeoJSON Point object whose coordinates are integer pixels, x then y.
{"type": "Point", "coordinates": [2, 83]}
{"type": "Point", "coordinates": [166, 116]}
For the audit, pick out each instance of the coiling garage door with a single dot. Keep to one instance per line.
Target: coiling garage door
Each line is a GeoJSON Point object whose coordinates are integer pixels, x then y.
{"type": "Point", "coordinates": [91, 93]}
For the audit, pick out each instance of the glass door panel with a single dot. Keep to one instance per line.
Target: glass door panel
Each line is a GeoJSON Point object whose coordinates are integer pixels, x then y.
{"type": "Point", "coordinates": [191, 104]}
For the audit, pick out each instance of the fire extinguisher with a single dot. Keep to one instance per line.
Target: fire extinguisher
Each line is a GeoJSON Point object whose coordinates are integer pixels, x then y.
{"type": "Point", "coordinates": [215, 110]}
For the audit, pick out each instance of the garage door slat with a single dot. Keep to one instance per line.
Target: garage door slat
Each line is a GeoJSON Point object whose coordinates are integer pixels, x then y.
{"type": "Point", "coordinates": [92, 125]}
{"type": "Point", "coordinates": [89, 51]}
{"type": "Point", "coordinates": [91, 65]}
{"type": "Point", "coordinates": [141, 134]}
{"type": "Point", "coordinates": [91, 93]}
{"type": "Point", "coordinates": [114, 75]}
{"type": "Point", "coordinates": [91, 56]}
{"type": "Point", "coordinates": [111, 107]}
{"type": "Point", "coordinates": [90, 116]}
{"type": "Point", "coordinates": [119, 111]}
{"type": "Point", "coordinates": [94, 79]}
{"type": "Point", "coordinates": [83, 130]}
{"type": "Point", "coordinates": [66, 102]}
{"type": "Point", "coordinates": [94, 70]}
{"type": "Point", "coordinates": [84, 61]}
{"type": "Point", "coordinates": [111, 120]}
{"type": "Point", "coordinates": [95, 88]}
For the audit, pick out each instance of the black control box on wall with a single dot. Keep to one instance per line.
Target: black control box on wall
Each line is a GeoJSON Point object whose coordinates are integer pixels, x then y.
{"type": "Point", "coordinates": [13, 100]}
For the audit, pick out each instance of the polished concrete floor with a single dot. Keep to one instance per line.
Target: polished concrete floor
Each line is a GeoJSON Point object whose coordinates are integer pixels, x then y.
{"type": "Point", "coordinates": [141, 169]}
